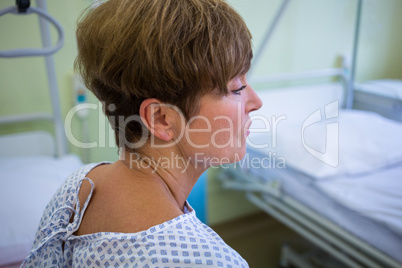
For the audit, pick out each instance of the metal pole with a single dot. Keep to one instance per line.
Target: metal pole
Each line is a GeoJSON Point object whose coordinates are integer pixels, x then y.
{"type": "Point", "coordinates": [61, 142]}
{"type": "Point", "coordinates": [350, 93]}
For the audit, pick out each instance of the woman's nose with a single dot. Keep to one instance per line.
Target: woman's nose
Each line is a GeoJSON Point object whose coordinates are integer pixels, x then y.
{"type": "Point", "coordinates": [254, 101]}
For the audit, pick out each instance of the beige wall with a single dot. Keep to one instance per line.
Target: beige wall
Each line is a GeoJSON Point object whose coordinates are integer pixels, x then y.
{"type": "Point", "coordinates": [311, 35]}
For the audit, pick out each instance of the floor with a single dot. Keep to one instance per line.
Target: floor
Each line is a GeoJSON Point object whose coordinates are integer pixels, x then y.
{"type": "Point", "coordinates": [258, 239]}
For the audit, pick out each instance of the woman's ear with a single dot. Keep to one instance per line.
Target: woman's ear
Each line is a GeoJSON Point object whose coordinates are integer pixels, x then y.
{"type": "Point", "coordinates": [157, 118]}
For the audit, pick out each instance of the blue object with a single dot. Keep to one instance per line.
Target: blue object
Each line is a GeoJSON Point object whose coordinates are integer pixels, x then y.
{"type": "Point", "coordinates": [198, 198]}
{"type": "Point", "coordinates": [81, 98]}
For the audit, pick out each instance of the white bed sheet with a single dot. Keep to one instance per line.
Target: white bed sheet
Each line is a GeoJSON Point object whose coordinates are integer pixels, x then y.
{"type": "Point", "coordinates": [368, 229]}
{"type": "Point", "coordinates": [377, 195]}
{"type": "Point", "coordinates": [26, 186]}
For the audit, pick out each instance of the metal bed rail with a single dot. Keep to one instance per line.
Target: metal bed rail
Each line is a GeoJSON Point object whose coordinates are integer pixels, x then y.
{"type": "Point", "coordinates": [10, 119]}
{"type": "Point", "coordinates": [342, 74]}
{"type": "Point", "coordinates": [313, 74]}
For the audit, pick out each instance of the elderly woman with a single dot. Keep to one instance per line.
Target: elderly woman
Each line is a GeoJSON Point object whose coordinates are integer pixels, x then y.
{"type": "Point", "coordinates": [171, 75]}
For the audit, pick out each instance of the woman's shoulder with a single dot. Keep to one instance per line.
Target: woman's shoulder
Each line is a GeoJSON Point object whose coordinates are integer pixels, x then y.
{"type": "Point", "coordinates": [122, 203]}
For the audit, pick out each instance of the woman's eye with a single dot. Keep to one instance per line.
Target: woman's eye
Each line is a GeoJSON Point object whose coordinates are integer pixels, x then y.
{"type": "Point", "coordinates": [238, 91]}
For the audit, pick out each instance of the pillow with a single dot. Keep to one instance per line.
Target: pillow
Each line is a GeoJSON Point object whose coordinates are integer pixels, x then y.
{"type": "Point", "coordinates": [26, 186]}
{"type": "Point", "coordinates": [354, 142]}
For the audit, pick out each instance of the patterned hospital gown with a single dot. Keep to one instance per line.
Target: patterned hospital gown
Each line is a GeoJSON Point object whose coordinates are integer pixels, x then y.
{"type": "Point", "coordinates": [181, 242]}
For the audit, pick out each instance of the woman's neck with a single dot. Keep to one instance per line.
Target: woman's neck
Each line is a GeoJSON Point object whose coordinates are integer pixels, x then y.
{"type": "Point", "coordinates": [166, 167]}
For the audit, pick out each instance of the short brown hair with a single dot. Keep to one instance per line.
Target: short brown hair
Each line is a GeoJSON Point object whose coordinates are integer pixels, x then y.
{"type": "Point", "coordinates": [172, 50]}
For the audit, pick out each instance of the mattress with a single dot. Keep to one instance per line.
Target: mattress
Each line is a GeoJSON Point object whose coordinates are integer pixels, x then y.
{"type": "Point", "coordinates": [26, 186]}
{"type": "Point", "coordinates": [339, 204]}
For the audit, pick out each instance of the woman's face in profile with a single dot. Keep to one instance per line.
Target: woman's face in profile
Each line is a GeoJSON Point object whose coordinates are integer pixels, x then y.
{"type": "Point", "coordinates": [217, 134]}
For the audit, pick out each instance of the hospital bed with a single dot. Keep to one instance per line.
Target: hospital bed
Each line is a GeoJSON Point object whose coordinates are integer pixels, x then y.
{"type": "Point", "coordinates": [33, 164]}
{"type": "Point", "coordinates": [330, 173]}
{"type": "Point", "coordinates": [350, 204]}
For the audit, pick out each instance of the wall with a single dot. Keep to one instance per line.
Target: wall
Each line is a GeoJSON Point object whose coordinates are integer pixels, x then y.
{"type": "Point", "coordinates": [311, 35]}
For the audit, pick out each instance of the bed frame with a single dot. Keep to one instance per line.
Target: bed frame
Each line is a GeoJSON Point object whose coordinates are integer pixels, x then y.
{"type": "Point", "coordinates": [329, 237]}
